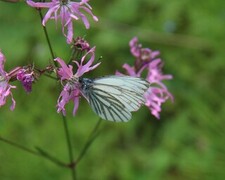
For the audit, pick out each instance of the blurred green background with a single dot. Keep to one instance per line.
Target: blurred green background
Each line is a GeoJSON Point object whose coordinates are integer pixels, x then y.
{"type": "Point", "coordinates": [186, 143]}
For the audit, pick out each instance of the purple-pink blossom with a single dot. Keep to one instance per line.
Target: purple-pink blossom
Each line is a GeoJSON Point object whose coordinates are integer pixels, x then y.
{"type": "Point", "coordinates": [146, 59]}
{"type": "Point", "coordinates": [81, 44]}
{"type": "Point", "coordinates": [67, 11]}
{"type": "Point", "coordinates": [26, 78]}
{"type": "Point", "coordinates": [142, 55]}
{"type": "Point", "coordinates": [158, 92]}
{"type": "Point", "coordinates": [5, 87]}
{"type": "Point", "coordinates": [71, 90]}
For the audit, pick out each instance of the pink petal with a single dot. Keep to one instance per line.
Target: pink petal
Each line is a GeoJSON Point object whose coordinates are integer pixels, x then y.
{"type": "Point", "coordinates": [48, 15]}
{"type": "Point", "coordinates": [65, 72]}
{"type": "Point", "coordinates": [2, 63]}
{"type": "Point", "coordinates": [41, 5]}
{"type": "Point", "coordinates": [70, 33]}
{"type": "Point", "coordinates": [76, 105]}
{"type": "Point", "coordinates": [87, 67]}
{"type": "Point", "coordinates": [12, 107]}
{"type": "Point", "coordinates": [130, 70]}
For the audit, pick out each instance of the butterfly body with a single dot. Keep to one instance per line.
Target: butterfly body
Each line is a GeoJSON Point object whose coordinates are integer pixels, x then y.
{"type": "Point", "coordinates": [85, 85]}
{"type": "Point", "coordinates": [114, 97]}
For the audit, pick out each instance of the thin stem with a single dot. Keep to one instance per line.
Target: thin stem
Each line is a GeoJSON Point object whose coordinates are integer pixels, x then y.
{"type": "Point", "coordinates": [72, 164]}
{"type": "Point", "coordinates": [19, 146]}
{"type": "Point", "coordinates": [75, 53]}
{"type": "Point", "coordinates": [46, 156]}
{"type": "Point", "coordinates": [49, 157]}
{"type": "Point", "coordinates": [95, 128]}
{"type": "Point", "coordinates": [90, 140]}
{"type": "Point", "coordinates": [72, 55]}
{"type": "Point", "coordinates": [47, 38]}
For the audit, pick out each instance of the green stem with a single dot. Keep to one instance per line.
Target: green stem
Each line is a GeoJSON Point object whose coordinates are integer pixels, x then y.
{"type": "Point", "coordinates": [75, 55]}
{"type": "Point", "coordinates": [40, 154]}
{"type": "Point", "coordinates": [72, 55]}
{"type": "Point", "coordinates": [69, 145]}
{"type": "Point", "coordinates": [49, 157]}
{"type": "Point", "coordinates": [19, 146]}
{"type": "Point", "coordinates": [90, 140]}
{"type": "Point", "coordinates": [47, 38]}
{"type": "Point", "coordinates": [72, 164]}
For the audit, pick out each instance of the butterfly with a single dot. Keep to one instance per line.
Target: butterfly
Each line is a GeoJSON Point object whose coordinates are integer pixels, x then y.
{"type": "Point", "coordinates": [114, 97]}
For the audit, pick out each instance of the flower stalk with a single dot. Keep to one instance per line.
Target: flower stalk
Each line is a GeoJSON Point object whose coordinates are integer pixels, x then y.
{"type": "Point", "coordinates": [40, 152]}
{"type": "Point", "coordinates": [92, 136]}
{"type": "Point", "coordinates": [47, 38]}
{"type": "Point", "coordinates": [69, 146]}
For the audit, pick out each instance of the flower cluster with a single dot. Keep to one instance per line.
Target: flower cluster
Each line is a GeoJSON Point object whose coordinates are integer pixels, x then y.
{"type": "Point", "coordinates": [5, 87]}
{"type": "Point", "coordinates": [146, 59]}
{"type": "Point", "coordinates": [81, 44]}
{"type": "Point", "coordinates": [26, 75]}
{"type": "Point", "coordinates": [71, 90]}
{"type": "Point", "coordinates": [66, 11]}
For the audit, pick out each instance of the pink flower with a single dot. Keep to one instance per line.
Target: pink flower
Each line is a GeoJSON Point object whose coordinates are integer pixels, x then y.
{"type": "Point", "coordinates": [131, 70]}
{"type": "Point", "coordinates": [5, 87]}
{"type": "Point", "coordinates": [157, 95]}
{"type": "Point", "coordinates": [143, 55]}
{"type": "Point", "coordinates": [81, 44]}
{"type": "Point", "coordinates": [26, 77]}
{"type": "Point", "coordinates": [67, 11]}
{"type": "Point", "coordinates": [146, 60]}
{"type": "Point", "coordinates": [71, 90]}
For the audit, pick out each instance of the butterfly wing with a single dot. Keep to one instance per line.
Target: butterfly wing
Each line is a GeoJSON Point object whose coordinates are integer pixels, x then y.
{"type": "Point", "coordinates": [114, 97]}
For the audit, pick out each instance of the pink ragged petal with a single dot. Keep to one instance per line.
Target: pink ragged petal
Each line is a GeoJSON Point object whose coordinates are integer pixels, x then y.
{"type": "Point", "coordinates": [85, 21]}
{"type": "Point", "coordinates": [68, 93]}
{"type": "Point", "coordinates": [95, 18]}
{"type": "Point", "coordinates": [119, 73]}
{"type": "Point", "coordinates": [155, 113]}
{"type": "Point", "coordinates": [76, 101]}
{"type": "Point", "coordinates": [12, 107]}
{"type": "Point", "coordinates": [70, 33]}
{"type": "Point", "coordinates": [5, 91]}
{"type": "Point", "coordinates": [40, 5]}
{"type": "Point", "coordinates": [65, 71]}
{"type": "Point", "coordinates": [95, 66]}
{"type": "Point", "coordinates": [87, 67]}
{"type": "Point", "coordinates": [155, 97]}
{"type": "Point", "coordinates": [166, 77]}
{"type": "Point", "coordinates": [86, 3]}
{"type": "Point", "coordinates": [130, 70]}
{"type": "Point", "coordinates": [89, 12]}
{"type": "Point", "coordinates": [65, 16]}
{"type": "Point", "coordinates": [48, 15]}
{"type": "Point", "coordinates": [63, 99]}
{"type": "Point", "coordinates": [133, 42]}
{"type": "Point", "coordinates": [154, 54]}
{"type": "Point", "coordinates": [2, 62]}
{"type": "Point", "coordinates": [74, 17]}
{"type": "Point", "coordinates": [155, 64]}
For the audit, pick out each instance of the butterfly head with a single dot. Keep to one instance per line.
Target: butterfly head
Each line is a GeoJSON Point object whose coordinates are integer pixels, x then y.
{"type": "Point", "coordinates": [85, 83]}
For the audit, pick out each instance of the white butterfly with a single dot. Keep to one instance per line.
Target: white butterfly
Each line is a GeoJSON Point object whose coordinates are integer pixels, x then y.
{"type": "Point", "coordinates": [113, 98]}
